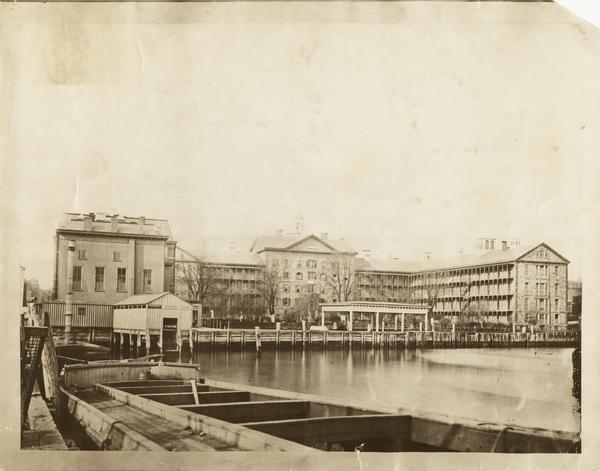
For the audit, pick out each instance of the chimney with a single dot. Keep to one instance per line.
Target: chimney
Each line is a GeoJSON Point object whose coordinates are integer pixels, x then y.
{"type": "Point", "coordinates": [504, 245]}
{"type": "Point", "coordinates": [114, 224]}
{"type": "Point", "coordinates": [427, 255]}
{"type": "Point", "coordinates": [232, 246]}
{"type": "Point", "coordinates": [324, 235]}
{"type": "Point", "coordinates": [142, 222]}
{"type": "Point", "coordinates": [279, 232]}
{"type": "Point", "coordinates": [87, 222]}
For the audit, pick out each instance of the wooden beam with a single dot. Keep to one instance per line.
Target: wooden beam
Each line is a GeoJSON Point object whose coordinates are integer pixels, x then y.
{"type": "Point", "coordinates": [148, 382]}
{"type": "Point", "coordinates": [255, 411]}
{"type": "Point", "coordinates": [489, 438]}
{"type": "Point", "coordinates": [391, 432]}
{"type": "Point", "coordinates": [162, 389]}
{"type": "Point", "coordinates": [179, 399]}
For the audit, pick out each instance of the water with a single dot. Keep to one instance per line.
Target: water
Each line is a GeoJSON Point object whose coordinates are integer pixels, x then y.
{"type": "Point", "coordinates": [529, 387]}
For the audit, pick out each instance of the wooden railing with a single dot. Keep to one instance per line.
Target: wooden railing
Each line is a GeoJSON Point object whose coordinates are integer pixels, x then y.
{"type": "Point", "coordinates": [247, 338]}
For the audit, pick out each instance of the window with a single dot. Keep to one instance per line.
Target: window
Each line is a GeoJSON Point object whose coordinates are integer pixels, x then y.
{"type": "Point", "coordinates": [541, 304]}
{"type": "Point", "coordinates": [286, 275]}
{"type": "Point", "coordinates": [526, 303]}
{"type": "Point", "coordinates": [116, 256]}
{"type": "Point", "coordinates": [555, 270]}
{"type": "Point", "coordinates": [298, 288]}
{"type": "Point", "coordinates": [299, 276]}
{"type": "Point", "coordinates": [312, 275]}
{"type": "Point", "coordinates": [324, 265]}
{"type": "Point", "coordinates": [286, 263]}
{"type": "Point", "coordinates": [526, 288]}
{"type": "Point", "coordinates": [122, 279]}
{"type": "Point", "coordinates": [275, 263]}
{"type": "Point", "coordinates": [323, 276]}
{"type": "Point", "coordinates": [147, 280]}
{"type": "Point", "coordinates": [81, 310]}
{"type": "Point", "coordinates": [286, 301]}
{"type": "Point", "coordinates": [299, 264]}
{"type": "Point", "coordinates": [311, 288]}
{"type": "Point", "coordinates": [311, 264]}
{"type": "Point", "coordinates": [556, 288]}
{"type": "Point", "coordinates": [335, 265]}
{"type": "Point", "coordinates": [556, 304]}
{"type": "Point", "coordinates": [77, 278]}
{"type": "Point", "coordinates": [99, 278]}
{"type": "Point", "coordinates": [286, 288]}
{"type": "Point", "coordinates": [83, 255]}
{"type": "Point", "coordinates": [526, 269]}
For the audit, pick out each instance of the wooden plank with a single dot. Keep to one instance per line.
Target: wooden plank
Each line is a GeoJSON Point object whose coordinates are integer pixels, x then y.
{"type": "Point", "coordinates": [177, 399]}
{"type": "Point", "coordinates": [162, 389]}
{"type": "Point", "coordinates": [148, 382]}
{"type": "Point", "coordinates": [255, 411]}
{"type": "Point", "coordinates": [232, 434]}
{"type": "Point", "coordinates": [488, 438]}
{"type": "Point", "coordinates": [168, 435]}
{"type": "Point", "coordinates": [357, 428]}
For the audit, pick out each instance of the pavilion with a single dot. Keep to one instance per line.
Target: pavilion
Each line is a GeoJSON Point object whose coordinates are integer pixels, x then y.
{"type": "Point", "coordinates": [376, 309]}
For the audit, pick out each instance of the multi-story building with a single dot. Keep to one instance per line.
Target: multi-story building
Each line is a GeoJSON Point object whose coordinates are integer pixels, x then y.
{"type": "Point", "coordinates": [504, 283]}
{"type": "Point", "coordinates": [112, 257]}
{"type": "Point", "coordinates": [524, 285]}
{"type": "Point", "coordinates": [101, 259]}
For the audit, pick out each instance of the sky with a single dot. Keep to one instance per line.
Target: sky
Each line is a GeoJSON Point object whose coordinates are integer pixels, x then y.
{"type": "Point", "coordinates": [417, 133]}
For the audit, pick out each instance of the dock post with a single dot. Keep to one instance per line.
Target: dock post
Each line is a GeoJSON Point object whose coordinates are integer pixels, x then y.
{"type": "Point", "coordinates": [293, 338]}
{"type": "Point", "coordinates": [362, 339]}
{"type": "Point", "coordinates": [258, 340]}
{"type": "Point", "coordinates": [243, 339]}
{"type": "Point", "coordinates": [324, 339]}
{"type": "Point", "coordinates": [277, 339]}
{"type": "Point", "coordinates": [227, 338]}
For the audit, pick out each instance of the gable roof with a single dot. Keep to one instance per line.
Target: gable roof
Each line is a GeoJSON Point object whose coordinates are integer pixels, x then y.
{"type": "Point", "coordinates": [491, 257]}
{"type": "Point", "coordinates": [223, 257]}
{"type": "Point", "coordinates": [288, 242]}
{"type": "Point", "coordinates": [141, 298]}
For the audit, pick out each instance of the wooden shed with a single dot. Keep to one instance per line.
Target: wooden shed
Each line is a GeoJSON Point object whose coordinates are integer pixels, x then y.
{"type": "Point", "coordinates": [163, 315]}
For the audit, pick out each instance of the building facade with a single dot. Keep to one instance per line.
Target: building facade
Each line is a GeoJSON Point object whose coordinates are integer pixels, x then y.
{"type": "Point", "coordinates": [102, 259]}
{"type": "Point", "coordinates": [501, 283]}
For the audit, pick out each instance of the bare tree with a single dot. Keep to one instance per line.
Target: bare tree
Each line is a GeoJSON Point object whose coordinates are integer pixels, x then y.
{"type": "Point", "coordinates": [342, 279]}
{"type": "Point", "coordinates": [198, 280]}
{"type": "Point", "coordinates": [268, 287]}
{"type": "Point", "coordinates": [434, 285]}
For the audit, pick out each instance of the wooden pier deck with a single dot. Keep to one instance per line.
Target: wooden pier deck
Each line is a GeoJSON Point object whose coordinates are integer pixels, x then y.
{"type": "Point", "coordinates": [203, 338]}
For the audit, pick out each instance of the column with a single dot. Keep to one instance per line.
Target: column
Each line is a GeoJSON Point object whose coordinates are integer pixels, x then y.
{"type": "Point", "coordinates": [376, 322]}
{"type": "Point", "coordinates": [396, 322]}
{"type": "Point", "coordinates": [426, 319]}
{"type": "Point", "coordinates": [402, 322]}
{"type": "Point", "coordinates": [350, 321]}
{"type": "Point", "coordinates": [322, 318]}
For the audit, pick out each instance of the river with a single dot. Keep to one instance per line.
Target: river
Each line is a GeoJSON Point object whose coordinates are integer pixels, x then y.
{"type": "Point", "coordinates": [529, 387]}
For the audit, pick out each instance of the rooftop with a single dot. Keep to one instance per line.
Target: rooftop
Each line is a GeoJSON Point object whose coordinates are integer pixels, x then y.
{"type": "Point", "coordinates": [115, 224]}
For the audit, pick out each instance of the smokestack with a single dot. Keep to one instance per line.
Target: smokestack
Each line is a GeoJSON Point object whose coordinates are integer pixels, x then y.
{"type": "Point", "coordinates": [69, 295]}
{"type": "Point", "coordinates": [114, 224]}
{"type": "Point", "coordinates": [427, 255]}
{"type": "Point", "coordinates": [142, 222]}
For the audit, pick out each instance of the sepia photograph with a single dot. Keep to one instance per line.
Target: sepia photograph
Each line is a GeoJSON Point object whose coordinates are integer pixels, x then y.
{"type": "Point", "coordinates": [317, 233]}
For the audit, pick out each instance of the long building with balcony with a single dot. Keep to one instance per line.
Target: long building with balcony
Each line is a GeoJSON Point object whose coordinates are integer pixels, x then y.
{"type": "Point", "coordinates": [505, 283]}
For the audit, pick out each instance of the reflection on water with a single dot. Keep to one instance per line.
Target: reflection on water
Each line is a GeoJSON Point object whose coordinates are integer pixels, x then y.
{"type": "Point", "coordinates": [530, 387]}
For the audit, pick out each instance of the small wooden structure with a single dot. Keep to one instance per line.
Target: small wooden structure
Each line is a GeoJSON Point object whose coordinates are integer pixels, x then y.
{"type": "Point", "coordinates": [376, 309]}
{"type": "Point", "coordinates": [164, 316]}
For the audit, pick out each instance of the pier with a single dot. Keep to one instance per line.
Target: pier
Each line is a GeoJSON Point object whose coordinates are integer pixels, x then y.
{"type": "Point", "coordinates": [202, 338]}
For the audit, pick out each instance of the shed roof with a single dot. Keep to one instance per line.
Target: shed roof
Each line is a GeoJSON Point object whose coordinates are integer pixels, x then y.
{"type": "Point", "coordinates": [146, 299]}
